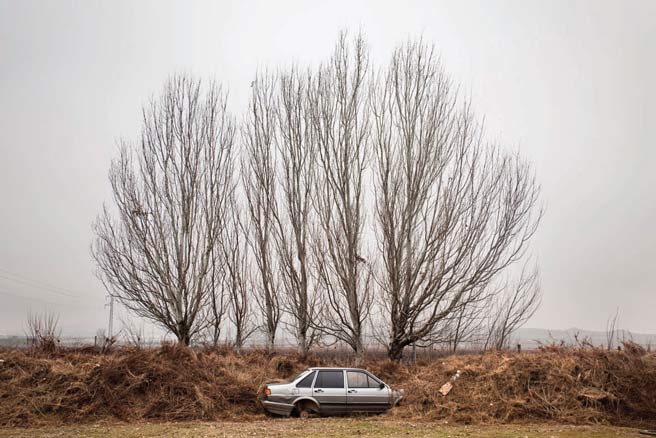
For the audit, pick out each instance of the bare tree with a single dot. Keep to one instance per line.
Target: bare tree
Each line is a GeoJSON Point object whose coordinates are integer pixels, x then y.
{"type": "Point", "coordinates": [340, 130]}
{"type": "Point", "coordinates": [100, 336]}
{"type": "Point", "coordinates": [611, 330]}
{"type": "Point", "coordinates": [510, 309]}
{"type": "Point", "coordinates": [234, 247]}
{"type": "Point", "coordinates": [259, 180]}
{"type": "Point", "coordinates": [133, 333]}
{"type": "Point", "coordinates": [171, 192]}
{"type": "Point", "coordinates": [452, 212]}
{"type": "Point", "coordinates": [43, 330]}
{"type": "Point", "coordinates": [297, 153]}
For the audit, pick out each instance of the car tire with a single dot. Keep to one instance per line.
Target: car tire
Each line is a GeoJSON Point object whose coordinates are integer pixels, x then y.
{"type": "Point", "coordinates": [304, 409]}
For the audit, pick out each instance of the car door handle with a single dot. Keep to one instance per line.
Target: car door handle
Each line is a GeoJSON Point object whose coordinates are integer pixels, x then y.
{"type": "Point", "coordinates": [318, 390]}
{"type": "Point", "coordinates": [351, 391]}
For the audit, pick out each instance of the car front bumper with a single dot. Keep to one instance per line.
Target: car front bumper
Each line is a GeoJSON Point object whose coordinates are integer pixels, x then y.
{"type": "Point", "coordinates": [278, 408]}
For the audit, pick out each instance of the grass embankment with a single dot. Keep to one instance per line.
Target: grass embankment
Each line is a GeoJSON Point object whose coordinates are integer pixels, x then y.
{"type": "Point", "coordinates": [552, 386]}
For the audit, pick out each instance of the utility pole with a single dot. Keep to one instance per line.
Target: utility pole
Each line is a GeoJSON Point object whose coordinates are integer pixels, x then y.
{"type": "Point", "coordinates": [414, 352]}
{"type": "Point", "coordinates": [111, 317]}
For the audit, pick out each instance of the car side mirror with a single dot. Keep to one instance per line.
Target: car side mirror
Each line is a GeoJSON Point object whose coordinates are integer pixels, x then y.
{"type": "Point", "coordinates": [381, 386]}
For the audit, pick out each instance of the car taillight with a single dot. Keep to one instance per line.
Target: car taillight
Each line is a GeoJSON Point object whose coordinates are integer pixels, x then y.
{"type": "Point", "coordinates": [267, 391]}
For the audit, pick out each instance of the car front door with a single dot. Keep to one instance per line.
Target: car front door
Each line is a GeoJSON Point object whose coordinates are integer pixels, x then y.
{"type": "Point", "coordinates": [365, 393]}
{"type": "Point", "coordinates": [329, 391]}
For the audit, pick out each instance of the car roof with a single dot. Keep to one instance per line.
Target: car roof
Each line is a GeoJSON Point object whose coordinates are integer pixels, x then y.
{"type": "Point", "coordinates": [336, 368]}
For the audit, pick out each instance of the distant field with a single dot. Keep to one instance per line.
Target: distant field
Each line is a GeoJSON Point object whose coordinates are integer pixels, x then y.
{"type": "Point", "coordinates": [529, 338]}
{"type": "Point", "coordinates": [320, 427]}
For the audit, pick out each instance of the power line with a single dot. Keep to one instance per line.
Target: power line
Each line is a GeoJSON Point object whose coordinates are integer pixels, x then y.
{"type": "Point", "coordinates": [54, 291]}
{"type": "Point", "coordinates": [50, 303]}
{"type": "Point", "coordinates": [11, 294]}
{"type": "Point", "coordinates": [39, 285]}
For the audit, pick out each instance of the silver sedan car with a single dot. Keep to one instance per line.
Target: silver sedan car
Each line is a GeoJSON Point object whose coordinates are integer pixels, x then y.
{"type": "Point", "coordinates": [330, 391]}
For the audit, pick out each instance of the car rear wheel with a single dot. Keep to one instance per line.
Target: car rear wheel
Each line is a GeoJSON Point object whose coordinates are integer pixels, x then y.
{"type": "Point", "coordinates": [305, 408]}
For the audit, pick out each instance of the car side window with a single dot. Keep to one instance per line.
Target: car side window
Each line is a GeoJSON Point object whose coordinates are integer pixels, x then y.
{"type": "Point", "coordinates": [329, 379]}
{"type": "Point", "coordinates": [373, 383]}
{"type": "Point", "coordinates": [357, 379]}
{"type": "Point", "coordinates": [307, 381]}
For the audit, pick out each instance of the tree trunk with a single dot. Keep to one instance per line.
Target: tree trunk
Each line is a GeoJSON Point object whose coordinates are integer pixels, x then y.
{"type": "Point", "coordinates": [395, 351]}
{"type": "Point", "coordinates": [184, 339]}
{"type": "Point", "coordinates": [238, 340]}
{"type": "Point", "coordinates": [271, 341]}
{"type": "Point", "coordinates": [183, 335]}
{"type": "Point", "coordinates": [359, 352]}
{"type": "Point", "coordinates": [303, 349]}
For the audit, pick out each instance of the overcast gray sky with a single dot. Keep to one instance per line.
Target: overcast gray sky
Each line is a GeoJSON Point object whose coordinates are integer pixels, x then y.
{"type": "Point", "coordinates": [568, 83]}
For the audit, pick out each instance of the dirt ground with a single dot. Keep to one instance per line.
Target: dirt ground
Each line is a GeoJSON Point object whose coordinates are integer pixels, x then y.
{"type": "Point", "coordinates": [318, 427]}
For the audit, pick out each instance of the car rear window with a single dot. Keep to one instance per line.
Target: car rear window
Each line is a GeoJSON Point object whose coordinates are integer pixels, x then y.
{"type": "Point", "coordinates": [307, 381]}
{"type": "Point", "coordinates": [298, 376]}
{"type": "Point", "coordinates": [329, 379]}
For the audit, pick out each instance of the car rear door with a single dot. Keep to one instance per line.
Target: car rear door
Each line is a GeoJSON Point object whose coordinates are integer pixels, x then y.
{"type": "Point", "coordinates": [329, 390]}
{"type": "Point", "coordinates": [365, 394]}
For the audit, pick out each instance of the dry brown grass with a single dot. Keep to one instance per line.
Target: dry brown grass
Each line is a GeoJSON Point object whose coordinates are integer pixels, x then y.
{"type": "Point", "coordinates": [563, 385]}
{"type": "Point", "coordinates": [374, 427]}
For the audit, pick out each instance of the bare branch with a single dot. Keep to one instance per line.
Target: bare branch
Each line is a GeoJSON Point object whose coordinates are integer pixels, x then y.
{"type": "Point", "coordinates": [512, 308]}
